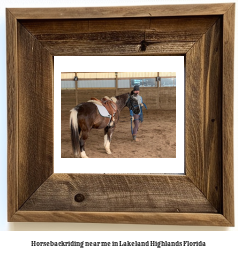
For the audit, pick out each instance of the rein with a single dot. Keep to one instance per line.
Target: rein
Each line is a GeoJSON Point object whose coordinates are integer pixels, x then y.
{"type": "Point", "coordinates": [128, 98]}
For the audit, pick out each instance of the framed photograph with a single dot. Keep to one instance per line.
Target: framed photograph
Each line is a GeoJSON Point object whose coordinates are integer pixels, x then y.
{"type": "Point", "coordinates": [202, 34]}
{"type": "Point", "coordinates": [161, 131]}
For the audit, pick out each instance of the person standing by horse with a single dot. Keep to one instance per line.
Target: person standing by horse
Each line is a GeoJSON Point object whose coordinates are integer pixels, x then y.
{"type": "Point", "coordinates": [136, 118]}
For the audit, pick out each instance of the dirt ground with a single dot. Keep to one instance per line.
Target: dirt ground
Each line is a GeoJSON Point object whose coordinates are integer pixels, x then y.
{"type": "Point", "coordinates": [157, 137]}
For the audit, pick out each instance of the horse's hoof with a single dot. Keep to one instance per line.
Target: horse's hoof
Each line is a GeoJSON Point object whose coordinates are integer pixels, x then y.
{"type": "Point", "coordinates": [109, 152]}
{"type": "Point", "coordinates": [83, 155]}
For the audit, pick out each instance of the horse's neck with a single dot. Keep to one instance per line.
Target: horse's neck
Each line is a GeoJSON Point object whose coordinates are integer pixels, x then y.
{"type": "Point", "coordinates": [121, 101]}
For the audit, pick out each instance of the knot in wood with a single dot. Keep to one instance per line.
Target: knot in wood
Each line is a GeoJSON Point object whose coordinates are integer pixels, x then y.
{"type": "Point", "coordinates": [79, 198]}
{"type": "Point", "coordinates": [143, 45]}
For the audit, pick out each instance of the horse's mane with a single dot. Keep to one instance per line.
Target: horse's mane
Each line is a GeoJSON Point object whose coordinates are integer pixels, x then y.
{"type": "Point", "coordinates": [122, 96]}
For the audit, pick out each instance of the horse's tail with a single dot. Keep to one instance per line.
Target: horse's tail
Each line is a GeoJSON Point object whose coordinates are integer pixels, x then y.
{"type": "Point", "coordinates": [75, 130]}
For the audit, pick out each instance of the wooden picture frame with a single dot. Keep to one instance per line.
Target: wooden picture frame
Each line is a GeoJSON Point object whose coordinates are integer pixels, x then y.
{"type": "Point", "coordinates": [204, 34]}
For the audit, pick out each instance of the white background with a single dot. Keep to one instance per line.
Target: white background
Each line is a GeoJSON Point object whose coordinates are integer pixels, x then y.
{"type": "Point", "coordinates": [120, 64]}
{"type": "Point", "coordinates": [218, 242]}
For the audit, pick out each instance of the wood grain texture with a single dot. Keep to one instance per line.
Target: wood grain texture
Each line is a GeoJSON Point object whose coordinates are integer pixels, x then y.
{"type": "Point", "coordinates": [35, 114]}
{"type": "Point", "coordinates": [74, 48]}
{"type": "Point", "coordinates": [120, 12]}
{"type": "Point", "coordinates": [203, 115]}
{"type": "Point", "coordinates": [12, 114]}
{"type": "Point", "coordinates": [119, 36]}
{"type": "Point", "coordinates": [118, 193]}
{"type": "Point", "coordinates": [192, 219]}
{"type": "Point", "coordinates": [189, 27]}
{"type": "Point", "coordinates": [227, 113]}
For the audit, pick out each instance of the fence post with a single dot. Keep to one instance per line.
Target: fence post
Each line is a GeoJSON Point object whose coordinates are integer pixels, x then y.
{"type": "Point", "coordinates": [76, 88]}
{"type": "Point", "coordinates": [116, 74]}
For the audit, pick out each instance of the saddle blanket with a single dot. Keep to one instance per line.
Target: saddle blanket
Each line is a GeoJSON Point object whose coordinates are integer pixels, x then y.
{"type": "Point", "coordinates": [102, 111]}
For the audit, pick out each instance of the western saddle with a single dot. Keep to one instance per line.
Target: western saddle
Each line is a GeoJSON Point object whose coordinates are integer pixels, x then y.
{"type": "Point", "coordinates": [110, 106]}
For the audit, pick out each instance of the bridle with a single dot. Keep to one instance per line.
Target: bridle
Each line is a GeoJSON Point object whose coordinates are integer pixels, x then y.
{"type": "Point", "coordinates": [131, 107]}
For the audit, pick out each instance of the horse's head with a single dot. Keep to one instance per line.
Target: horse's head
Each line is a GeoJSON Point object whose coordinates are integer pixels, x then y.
{"type": "Point", "coordinates": [132, 104]}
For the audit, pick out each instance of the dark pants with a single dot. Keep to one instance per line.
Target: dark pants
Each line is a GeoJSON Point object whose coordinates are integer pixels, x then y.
{"type": "Point", "coordinates": [136, 124]}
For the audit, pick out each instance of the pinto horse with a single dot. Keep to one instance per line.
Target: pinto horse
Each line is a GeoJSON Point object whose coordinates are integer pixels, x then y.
{"type": "Point", "coordinates": [85, 116]}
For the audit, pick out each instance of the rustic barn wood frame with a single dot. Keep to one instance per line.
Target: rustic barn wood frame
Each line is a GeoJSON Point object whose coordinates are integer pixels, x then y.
{"type": "Point", "coordinates": [204, 34]}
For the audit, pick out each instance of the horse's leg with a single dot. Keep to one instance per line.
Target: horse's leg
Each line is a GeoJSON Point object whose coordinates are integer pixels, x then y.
{"type": "Point", "coordinates": [82, 144]}
{"type": "Point", "coordinates": [107, 138]}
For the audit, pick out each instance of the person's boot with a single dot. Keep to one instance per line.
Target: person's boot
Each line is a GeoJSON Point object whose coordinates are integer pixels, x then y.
{"type": "Point", "coordinates": [135, 138]}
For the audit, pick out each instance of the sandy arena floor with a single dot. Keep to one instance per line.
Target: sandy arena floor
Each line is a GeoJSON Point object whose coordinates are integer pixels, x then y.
{"type": "Point", "coordinates": [157, 136]}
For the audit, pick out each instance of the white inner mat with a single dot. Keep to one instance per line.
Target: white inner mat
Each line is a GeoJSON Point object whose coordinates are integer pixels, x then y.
{"type": "Point", "coordinates": [120, 64]}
